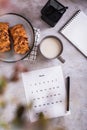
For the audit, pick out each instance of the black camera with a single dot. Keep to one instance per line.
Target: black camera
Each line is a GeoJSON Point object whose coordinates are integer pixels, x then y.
{"type": "Point", "coordinates": [52, 12]}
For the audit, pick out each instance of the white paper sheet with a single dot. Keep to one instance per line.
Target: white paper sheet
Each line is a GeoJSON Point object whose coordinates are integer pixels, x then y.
{"type": "Point", "coordinates": [46, 88]}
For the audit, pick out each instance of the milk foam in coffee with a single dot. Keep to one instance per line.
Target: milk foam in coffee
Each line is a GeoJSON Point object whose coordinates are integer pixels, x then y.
{"type": "Point", "coordinates": [50, 47]}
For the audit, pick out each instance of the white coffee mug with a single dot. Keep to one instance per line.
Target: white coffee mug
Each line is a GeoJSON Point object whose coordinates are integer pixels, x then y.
{"type": "Point", "coordinates": [51, 47]}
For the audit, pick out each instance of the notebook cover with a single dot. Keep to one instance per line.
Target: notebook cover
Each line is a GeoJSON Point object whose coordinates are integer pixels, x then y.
{"type": "Point", "coordinates": [75, 30]}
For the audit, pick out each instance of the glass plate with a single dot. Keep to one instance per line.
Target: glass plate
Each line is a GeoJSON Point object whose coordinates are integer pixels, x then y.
{"type": "Point", "coordinates": [14, 19]}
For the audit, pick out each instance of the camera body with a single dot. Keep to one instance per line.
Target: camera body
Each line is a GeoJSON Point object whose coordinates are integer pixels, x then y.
{"type": "Point", "coordinates": [52, 12]}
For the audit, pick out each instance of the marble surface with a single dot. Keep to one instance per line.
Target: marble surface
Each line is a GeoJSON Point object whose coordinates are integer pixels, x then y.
{"type": "Point", "coordinates": [75, 65]}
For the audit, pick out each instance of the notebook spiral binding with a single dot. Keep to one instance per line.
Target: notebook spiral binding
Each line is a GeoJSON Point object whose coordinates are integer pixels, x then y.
{"type": "Point", "coordinates": [69, 21]}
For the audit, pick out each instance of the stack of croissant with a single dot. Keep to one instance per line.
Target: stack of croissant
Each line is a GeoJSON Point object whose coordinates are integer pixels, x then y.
{"type": "Point", "coordinates": [18, 35]}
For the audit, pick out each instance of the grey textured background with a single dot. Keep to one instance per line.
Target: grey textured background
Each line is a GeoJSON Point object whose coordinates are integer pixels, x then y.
{"type": "Point", "coordinates": [75, 65]}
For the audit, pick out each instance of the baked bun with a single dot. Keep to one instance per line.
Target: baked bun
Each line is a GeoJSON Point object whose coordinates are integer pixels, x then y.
{"type": "Point", "coordinates": [20, 40]}
{"type": "Point", "coordinates": [4, 37]}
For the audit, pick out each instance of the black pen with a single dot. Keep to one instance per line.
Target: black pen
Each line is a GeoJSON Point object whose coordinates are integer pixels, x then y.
{"type": "Point", "coordinates": [68, 92]}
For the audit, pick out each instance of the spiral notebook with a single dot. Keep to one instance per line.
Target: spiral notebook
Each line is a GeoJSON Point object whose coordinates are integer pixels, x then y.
{"type": "Point", "coordinates": [75, 30]}
{"type": "Point", "coordinates": [46, 89]}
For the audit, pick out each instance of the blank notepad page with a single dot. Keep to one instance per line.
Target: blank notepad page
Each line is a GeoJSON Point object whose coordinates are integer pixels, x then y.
{"type": "Point", "coordinates": [76, 31]}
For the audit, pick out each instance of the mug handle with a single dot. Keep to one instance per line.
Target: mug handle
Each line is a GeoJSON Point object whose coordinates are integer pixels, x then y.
{"type": "Point", "coordinates": [61, 59]}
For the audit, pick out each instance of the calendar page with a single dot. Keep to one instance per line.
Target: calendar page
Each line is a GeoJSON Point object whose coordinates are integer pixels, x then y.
{"type": "Point", "coordinates": [46, 88]}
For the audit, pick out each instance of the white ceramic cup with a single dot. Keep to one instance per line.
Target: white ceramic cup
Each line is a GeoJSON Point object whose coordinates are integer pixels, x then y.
{"type": "Point", "coordinates": [51, 47]}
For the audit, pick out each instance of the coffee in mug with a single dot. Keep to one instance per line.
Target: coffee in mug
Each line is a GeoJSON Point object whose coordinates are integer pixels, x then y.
{"type": "Point", "coordinates": [51, 47]}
